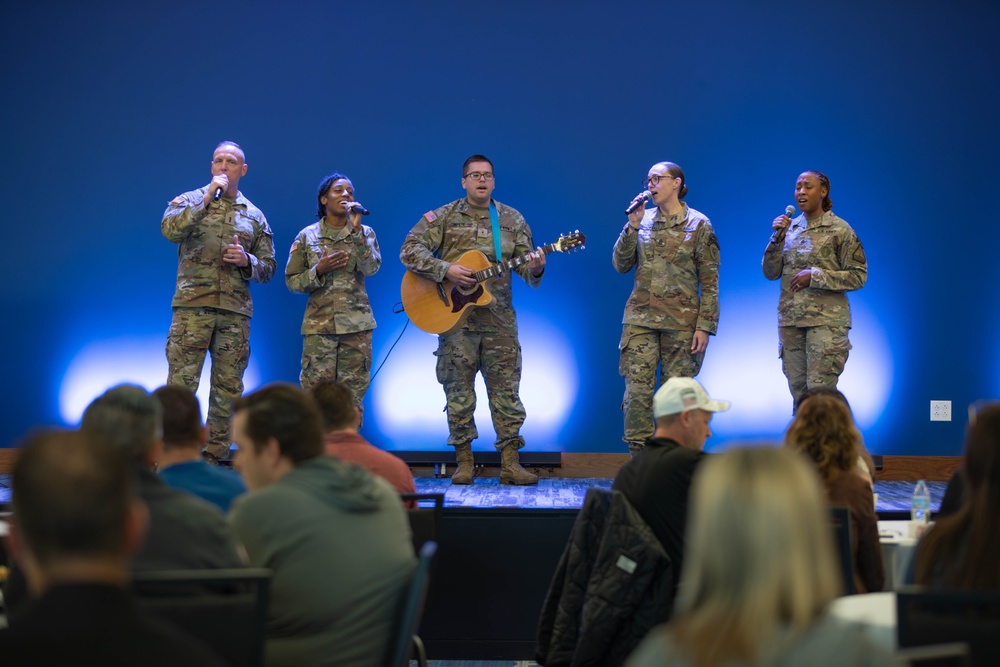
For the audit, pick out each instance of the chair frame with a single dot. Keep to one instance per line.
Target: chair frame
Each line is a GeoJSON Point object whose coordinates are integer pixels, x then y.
{"type": "Point", "coordinates": [935, 654]}
{"type": "Point", "coordinates": [195, 586]}
{"type": "Point", "coordinates": [419, 516]}
{"type": "Point", "coordinates": [972, 617]}
{"type": "Point", "coordinates": [405, 639]}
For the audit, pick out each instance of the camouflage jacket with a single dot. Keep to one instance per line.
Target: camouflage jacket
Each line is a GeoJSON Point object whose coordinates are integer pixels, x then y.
{"type": "Point", "coordinates": [830, 249]}
{"type": "Point", "coordinates": [676, 261]}
{"type": "Point", "coordinates": [203, 279]}
{"type": "Point", "coordinates": [446, 233]}
{"type": "Point", "coordinates": [338, 301]}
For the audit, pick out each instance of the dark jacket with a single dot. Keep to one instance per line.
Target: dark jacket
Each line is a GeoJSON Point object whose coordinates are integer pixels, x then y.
{"type": "Point", "coordinates": [613, 583]}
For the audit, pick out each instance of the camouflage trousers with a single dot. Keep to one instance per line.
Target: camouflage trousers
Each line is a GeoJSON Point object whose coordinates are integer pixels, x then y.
{"type": "Point", "coordinates": [346, 358]}
{"type": "Point", "coordinates": [813, 356]}
{"type": "Point", "coordinates": [498, 356]}
{"type": "Point", "coordinates": [226, 336]}
{"type": "Point", "coordinates": [642, 350]}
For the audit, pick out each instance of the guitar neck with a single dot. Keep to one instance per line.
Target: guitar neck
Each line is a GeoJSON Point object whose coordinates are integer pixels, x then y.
{"type": "Point", "coordinates": [513, 263]}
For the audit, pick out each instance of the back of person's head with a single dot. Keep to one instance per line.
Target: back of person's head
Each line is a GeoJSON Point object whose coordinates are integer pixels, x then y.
{"type": "Point", "coordinates": [982, 456]}
{"type": "Point", "coordinates": [758, 556]}
{"type": "Point", "coordinates": [182, 425]}
{"type": "Point", "coordinates": [824, 430]}
{"type": "Point", "coordinates": [820, 390]}
{"type": "Point", "coordinates": [128, 417]}
{"type": "Point", "coordinates": [71, 497]}
{"type": "Point", "coordinates": [288, 415]}
{"type": "Point", "coordinates": [336, 405]}
{"type": "Point", "coordinates": [963, 550]}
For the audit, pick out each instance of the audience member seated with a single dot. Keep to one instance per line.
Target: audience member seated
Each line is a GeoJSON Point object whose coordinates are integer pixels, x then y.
{"type": "Point", "coordinates": [866, 466]}
{"type": "Point", "coordinates": [180, 463]}
{"type": "Point", "coordinates": [657, 480]}
{"type": "Point", "coordinates": [824, 430]}
{"type": "Point", "coordinates": [954, 495]}
{"type": "Point", "coordinates": [614, 582]}
{"type": "Point", "coordinates": [77, 523]}
{"type": "Point", "coordinates": [962, 550]}
{"type": "Point", "coordinates": [336, 536]}
{"type": "Point", "coordinates": [185, 532]}
{"type": "Point", "coordinates": [340, 421]}
{"type": "Point", "coordinates": [760, 571]}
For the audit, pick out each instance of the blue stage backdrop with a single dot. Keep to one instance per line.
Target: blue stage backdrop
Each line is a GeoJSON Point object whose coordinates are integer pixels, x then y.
{"type": "Point", "coordinates": [110, 109]}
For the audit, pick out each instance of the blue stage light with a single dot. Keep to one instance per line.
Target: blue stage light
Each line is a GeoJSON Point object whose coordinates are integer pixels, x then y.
{"type": "Point", "coordinates": [103, 363]}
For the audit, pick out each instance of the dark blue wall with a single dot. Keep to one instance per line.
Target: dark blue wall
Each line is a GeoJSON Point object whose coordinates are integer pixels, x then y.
{"type": "Point", "coordinates": [110, 109]}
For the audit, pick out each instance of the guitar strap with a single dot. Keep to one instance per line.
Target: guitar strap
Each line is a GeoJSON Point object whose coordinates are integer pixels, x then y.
{"type": "Point", "coordinates": [495, 219]}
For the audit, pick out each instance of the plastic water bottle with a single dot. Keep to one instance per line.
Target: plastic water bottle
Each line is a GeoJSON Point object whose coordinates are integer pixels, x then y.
{"type": "Point", "coordinates": [920, 508]}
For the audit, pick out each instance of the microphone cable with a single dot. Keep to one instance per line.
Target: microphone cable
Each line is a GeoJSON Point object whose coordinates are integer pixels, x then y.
{"type": "Point", "coordinates": [396, 310]}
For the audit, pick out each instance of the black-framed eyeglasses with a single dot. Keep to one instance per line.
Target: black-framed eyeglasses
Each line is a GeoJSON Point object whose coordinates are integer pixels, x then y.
{"type": "Point", "coordinates": [477, 175]}
{"type": "Point", "coordinates": [655, 180]}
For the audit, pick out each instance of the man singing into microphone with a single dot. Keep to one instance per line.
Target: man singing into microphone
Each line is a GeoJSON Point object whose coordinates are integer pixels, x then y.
{"type": "Point", "coordinates": [329, 261]}
{"type": "Point", "coordinates": [674, 305]}
{"type": "Point", "coordinates": [224, 243]}
{"type": "Point", "coordinates": [487, 341]}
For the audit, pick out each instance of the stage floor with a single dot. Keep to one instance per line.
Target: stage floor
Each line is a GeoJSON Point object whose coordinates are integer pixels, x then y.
{"type": "Point", "coordinates": [563, 493]}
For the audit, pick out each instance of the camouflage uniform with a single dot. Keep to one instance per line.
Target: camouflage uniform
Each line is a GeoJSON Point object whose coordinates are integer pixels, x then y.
{"type": "Point", "coordinates": [338, 322]}
{"type": "Point", "coordinates": [488, 340]}
{"type": "Point", "coordinates": [673, 257]}
{"type": "Point", "coordinates": [813, 323]}
{"type": "Point", "coordinates": [212, 305]}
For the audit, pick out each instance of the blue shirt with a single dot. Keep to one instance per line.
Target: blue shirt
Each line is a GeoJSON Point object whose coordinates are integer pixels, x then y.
{"type": "Point", "coordinates": [215, 484]}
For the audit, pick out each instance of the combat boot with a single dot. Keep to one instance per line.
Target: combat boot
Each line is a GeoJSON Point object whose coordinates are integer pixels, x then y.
{"type": "Point", "coordinates": [463, 458]}
{"type": "Point", "coordinates": [511, 471]}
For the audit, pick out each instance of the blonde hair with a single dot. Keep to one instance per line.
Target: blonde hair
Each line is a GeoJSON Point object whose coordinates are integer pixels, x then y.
{"type": "Point", "coordinates": [758, 558]}
{"type": "Point", "coordinates": [824, 430]}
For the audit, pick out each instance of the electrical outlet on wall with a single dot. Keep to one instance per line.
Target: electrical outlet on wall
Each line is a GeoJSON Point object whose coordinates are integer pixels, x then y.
{"type": "Point", "coordinates": [940, 411]}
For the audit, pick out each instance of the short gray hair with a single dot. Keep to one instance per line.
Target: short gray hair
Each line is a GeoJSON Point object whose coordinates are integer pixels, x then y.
{"type": "Point", "coordinates": [128, 417]}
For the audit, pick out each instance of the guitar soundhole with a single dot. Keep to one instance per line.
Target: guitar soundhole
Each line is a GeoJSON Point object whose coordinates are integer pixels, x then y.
{"type": "Point", "coordinates": [461, 298]}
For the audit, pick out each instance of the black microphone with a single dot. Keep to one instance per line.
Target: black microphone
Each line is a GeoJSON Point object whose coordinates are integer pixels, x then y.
{"type": "Point", "coordinates": [640, 200]}
{"type": "Point", "coordinates": [779, 234]}
{"type": "Point", "coordinates": [355, 206]}
{"type": "Point", "coordinates": [217, 195]}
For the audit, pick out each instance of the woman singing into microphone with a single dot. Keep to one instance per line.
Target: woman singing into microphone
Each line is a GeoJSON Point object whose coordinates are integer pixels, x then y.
{"type": "Point", "coordinates": [818, 258]}
{"type": "Point", "coordinates": [674, 305]}
{"type": "Point", "coordinates": [329, 260]}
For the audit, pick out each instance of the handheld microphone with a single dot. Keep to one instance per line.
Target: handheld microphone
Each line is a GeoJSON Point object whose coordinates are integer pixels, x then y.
{"type": "Point", "coordinates": [779, 234]}
{"type": "Point", "coordinates": [640, 200]}
{"type": "Point", "coordinates": [355, 206]}
{"type": "Point", "coordinates": [217, 195]}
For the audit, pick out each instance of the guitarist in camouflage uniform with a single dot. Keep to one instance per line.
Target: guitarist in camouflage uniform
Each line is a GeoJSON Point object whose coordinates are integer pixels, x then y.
{"type": "Point", "coordinates": [487, 342]}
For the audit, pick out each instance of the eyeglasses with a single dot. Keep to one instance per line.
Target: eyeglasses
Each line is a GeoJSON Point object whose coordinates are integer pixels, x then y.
{"type": "Point", "coordinates": [478, 175]}
{"type": "Point", "coordinates": [655, 180]}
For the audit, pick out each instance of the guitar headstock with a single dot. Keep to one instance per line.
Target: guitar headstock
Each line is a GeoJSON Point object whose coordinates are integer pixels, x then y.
{"type": "Point", "coordinates": [570, 242]}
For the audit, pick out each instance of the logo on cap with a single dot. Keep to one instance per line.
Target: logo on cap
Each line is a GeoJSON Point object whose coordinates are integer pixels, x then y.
{"type": "Point", "coordinates": [689, 398]}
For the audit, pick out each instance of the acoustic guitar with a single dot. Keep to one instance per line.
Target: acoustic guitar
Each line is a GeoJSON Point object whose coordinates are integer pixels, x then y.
{"type": "Point", "coordinates": [442, 308]}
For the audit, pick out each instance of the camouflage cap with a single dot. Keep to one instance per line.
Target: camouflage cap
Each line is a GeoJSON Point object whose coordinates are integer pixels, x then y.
{"type": "Point", "coordinates": [682, 394]}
